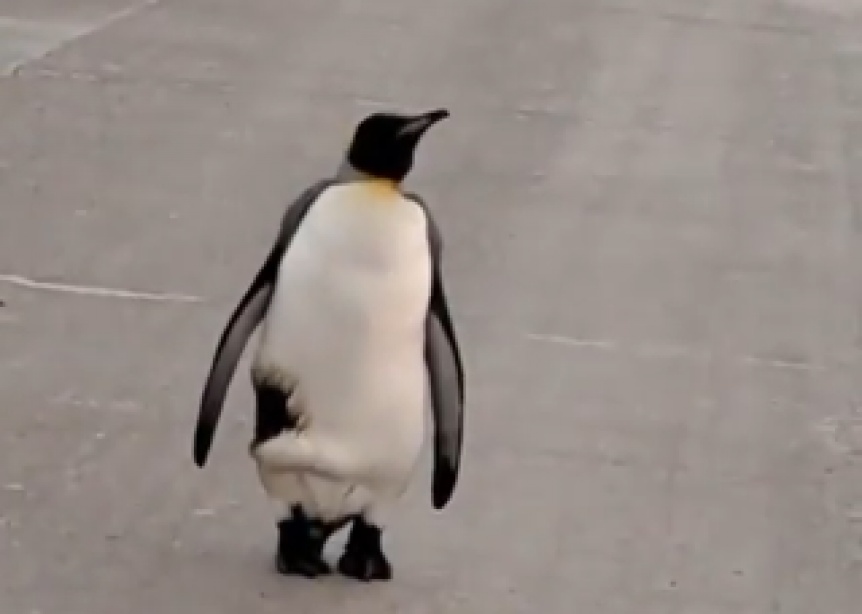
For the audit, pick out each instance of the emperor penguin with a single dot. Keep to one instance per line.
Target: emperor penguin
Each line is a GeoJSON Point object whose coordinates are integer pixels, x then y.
{"type": "Point", "coordinates": [354, 317]}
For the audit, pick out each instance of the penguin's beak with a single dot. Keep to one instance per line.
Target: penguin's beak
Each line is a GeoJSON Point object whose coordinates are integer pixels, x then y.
{"type": "Point", "coordinates": [417, 125]}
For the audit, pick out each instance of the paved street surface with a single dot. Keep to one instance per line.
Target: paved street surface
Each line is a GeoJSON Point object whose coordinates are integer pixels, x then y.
{"type": "Point", "coordinates": [653, 211]}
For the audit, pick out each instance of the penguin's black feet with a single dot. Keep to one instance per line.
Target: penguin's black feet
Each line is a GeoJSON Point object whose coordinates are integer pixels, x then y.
{"type": "Point", "coordinates": [300, 546]}
{"type": "Point", "coordinates": [297, 564]}
{"type": "Point", "coordinates": [363, 558]}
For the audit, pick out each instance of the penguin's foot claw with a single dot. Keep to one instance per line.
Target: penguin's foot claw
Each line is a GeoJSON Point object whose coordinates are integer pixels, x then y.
{"type": "Point", "coordinates": [363, 558]}
{"type": "Point", "coordinates": [300, 546]}
{"type": "Point", "coordinates": [365, 566]}
{"type": "Point", "coordinates": [301, 564]}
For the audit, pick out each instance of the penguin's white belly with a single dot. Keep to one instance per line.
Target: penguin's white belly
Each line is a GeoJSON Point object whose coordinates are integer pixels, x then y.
{"type": "Point", "coordinates": [346, 328]}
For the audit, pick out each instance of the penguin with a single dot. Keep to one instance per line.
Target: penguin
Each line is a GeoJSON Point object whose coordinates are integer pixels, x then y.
{"type": "Point", "coordinates": [354, 322]}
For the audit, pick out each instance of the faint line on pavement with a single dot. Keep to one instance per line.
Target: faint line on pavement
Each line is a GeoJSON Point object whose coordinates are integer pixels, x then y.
{"type": "Point", "coordinates": [32, 284]}
{"type": "Point", "coordinates": [672, 351]}
{"type": "Point", "coordinates": [710, 21]}
{"type": "Point", "coordinates": [83, 31]}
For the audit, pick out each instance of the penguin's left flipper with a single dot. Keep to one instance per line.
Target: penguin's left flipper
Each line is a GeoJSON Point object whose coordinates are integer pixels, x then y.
{"type": "Point", "coordinates": [445, 375]}
{"type": "Point", "coordinates": [244, 320]}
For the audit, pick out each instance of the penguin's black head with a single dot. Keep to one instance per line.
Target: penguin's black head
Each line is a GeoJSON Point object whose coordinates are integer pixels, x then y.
{"type": "Point", "coordinates": [384, 143]}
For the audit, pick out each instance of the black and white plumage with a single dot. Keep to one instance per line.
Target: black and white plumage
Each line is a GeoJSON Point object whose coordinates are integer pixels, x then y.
{"type": "Point", "coordinates": [355, 315]}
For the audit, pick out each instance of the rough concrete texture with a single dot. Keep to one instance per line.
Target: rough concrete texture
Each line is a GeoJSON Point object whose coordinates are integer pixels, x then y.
{"type": "Point", "coordinates": [653, 212]}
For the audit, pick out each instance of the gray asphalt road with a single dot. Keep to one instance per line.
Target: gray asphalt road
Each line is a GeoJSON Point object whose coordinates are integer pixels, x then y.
{"type": "Point", "coordinates": [653, 216]}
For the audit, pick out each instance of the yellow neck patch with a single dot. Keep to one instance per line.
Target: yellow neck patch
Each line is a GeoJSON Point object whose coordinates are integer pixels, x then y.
{"type": "Point", "coordinates": [379, 189]}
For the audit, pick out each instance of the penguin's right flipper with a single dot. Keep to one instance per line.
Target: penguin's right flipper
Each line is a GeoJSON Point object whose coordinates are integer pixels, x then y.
{"type": "Point", "coordinates": [446, 376]}
{"type": "Point", "coordinates": [242, 323]}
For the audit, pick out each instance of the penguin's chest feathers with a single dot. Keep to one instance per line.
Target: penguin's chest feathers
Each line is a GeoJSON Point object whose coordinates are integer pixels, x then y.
{"type": "Point", "coordinates": [346, 325]}
{"type": "Point", "coordinates": [360, 261]}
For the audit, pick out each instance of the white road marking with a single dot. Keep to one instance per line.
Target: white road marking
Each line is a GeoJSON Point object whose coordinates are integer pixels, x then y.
{"type": "Point", "coordinates": [54, 36]}
{"type": "Point", "coordinates": [679, 351]}
{"type": "Point", "coordinates": [32, 284]}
